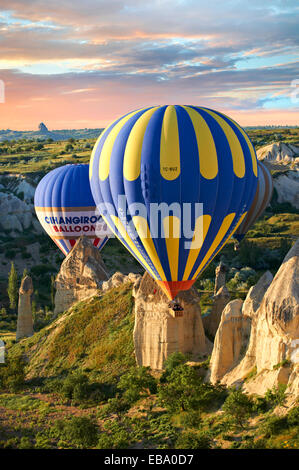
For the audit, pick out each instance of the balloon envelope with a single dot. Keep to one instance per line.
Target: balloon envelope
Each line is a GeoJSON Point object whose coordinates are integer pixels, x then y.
{"type": "Point", "coordinates": [261, 200]}
{"type": "Point", "coordinates": [171, 156]}
{"type": "Point", "coordinates": [66, 209]}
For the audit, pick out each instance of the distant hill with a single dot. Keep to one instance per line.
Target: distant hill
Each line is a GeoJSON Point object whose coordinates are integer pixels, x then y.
{"type": "Point", "coordinates": [43, 133]}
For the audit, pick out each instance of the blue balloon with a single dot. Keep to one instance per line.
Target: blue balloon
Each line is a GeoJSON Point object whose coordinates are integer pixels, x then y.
{"type": "Point", "coordinates": [66, 209]}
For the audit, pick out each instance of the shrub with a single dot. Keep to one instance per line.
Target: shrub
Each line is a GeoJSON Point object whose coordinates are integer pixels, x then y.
{"type": "Point", "coordinates": [173, 361]}
{"type": "Point", "coordinates": [273, 425]}
{"type": "Point", "coordinates": [12, 373]}
{"type": "Point", "coordinates": [276, 396]}
{"type": "Point", "coordinates": [118, 405]}
{"type": "Point", "coordinates": [192, 419]}
{"type": "Point", "coordinates": [193, 440]}
{"type": "Point", "coordinates": [136, 382]}
{"type": "Point", "coordinates": [117, 439]}
{"type": "Point", "coordinates": [186, 391]}
{"type": "Point", "coordinates": [238, 406]}
{"type": "Point", "coordinates": [293, 416]}
{"type": "Point", "coordinates": [79, 431]}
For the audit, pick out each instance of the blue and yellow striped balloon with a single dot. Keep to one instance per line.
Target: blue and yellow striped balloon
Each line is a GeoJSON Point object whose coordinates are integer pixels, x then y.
{"type": "Point", "coordinates": [174, 154]}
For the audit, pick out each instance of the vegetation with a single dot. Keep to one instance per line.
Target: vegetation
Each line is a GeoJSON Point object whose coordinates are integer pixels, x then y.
{"type": "Point", "coordinates": [12, 288]}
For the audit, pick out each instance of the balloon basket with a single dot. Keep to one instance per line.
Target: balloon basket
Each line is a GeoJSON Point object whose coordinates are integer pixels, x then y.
{"type": "Point", "coordinates": [176, 309]}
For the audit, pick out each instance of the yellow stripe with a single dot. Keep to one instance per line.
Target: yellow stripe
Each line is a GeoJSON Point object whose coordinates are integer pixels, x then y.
{"type": "Point", "coordinates": [251, 148]}
{"type": "Point", "coordinates": [171, 227]}
{"type": "Point", "coordinates": [208, 162]}
{"type": "Point", "coordinates": [201, 229]}
{"type": "Point", "coordinates": [234, 143]}
{"type": "Point", "coordinates": [104, 163]}
{"type": "Point", "coordinates": [170, 145]}
{"type": "Point", "coordinates": [226, 223]}
{"type": "Point", "coordinates": [96, 146]}
{"type": "Point", "coordinates": [219, 237]}
{"type": "Point", "coordinates": [143, 231]}
{"type": "Point", "coordinates": [118, 224]}
{"type": "Point", "coordinates": [132, 156]}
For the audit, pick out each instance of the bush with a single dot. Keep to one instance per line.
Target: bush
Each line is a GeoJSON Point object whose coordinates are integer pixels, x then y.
{"type": "Point", "coordinates": [193, 440]}
{"type": "Point", "coordinates": [186, 391]}
{"type": "Point", "coordinates": [273, 425]}
{"type": "Point", "coordinates": [136, 382]}
{"type": "Point", "coordinates": [12, 373]}
{"type": "Point", "coordinates": [191, 419]}
{"type": "Point", "coordinates": [118, 438]}
{"type": "Point", "coordinates": [79, 431]}
{"type": "Point", "coordinates": [238, 406]}
{"type": "Point", "coordinates": [76, 387]}
{"type": "Point", "coordinates": [293, 416]}
{"type": "Point", "coordinates": [118, 405]}
{"type": "Point", "coordinates": [174, 360]}
{"type": "Point", "coordinates": [276, 396]}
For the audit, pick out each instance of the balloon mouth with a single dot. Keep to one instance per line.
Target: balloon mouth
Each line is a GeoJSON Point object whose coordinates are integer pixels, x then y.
{"type": "Point", "coordinates": [172, 288]}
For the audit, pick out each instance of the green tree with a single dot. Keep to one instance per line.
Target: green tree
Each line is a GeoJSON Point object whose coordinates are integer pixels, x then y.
{"type": "Point", "coordinates": [180, 393]}
{"type": "Point", "coordinates": [238, 406]}
{"type": "Point", "coordinates": [136, 382]}
{"type": "Point", "coordinates": [276, 396]}
{"type": "Point", "coordinates": [12, 288]}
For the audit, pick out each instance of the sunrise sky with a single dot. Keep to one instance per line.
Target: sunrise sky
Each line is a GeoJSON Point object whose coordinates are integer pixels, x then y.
{"type": "Point", "coordinates": [76, 64]}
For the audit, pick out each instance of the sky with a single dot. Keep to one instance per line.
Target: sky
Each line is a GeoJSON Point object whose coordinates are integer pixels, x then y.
{"type": "Point", "coordinates": [77, 64]}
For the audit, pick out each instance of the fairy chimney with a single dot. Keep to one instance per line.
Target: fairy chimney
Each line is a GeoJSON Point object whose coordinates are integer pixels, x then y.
{"type": "Point", "coordinates": [25, 320]}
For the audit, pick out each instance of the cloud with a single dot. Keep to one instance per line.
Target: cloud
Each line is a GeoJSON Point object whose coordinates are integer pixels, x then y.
{"type": "Point", "coordinates": [128, 53]}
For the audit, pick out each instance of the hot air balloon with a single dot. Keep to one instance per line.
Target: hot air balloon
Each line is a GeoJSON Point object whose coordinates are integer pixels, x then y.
{"type": "Point", "coordinates": [167, 158]}
{"type": "Point", "coordinates": [66, 209]}
{"type": "Point", "coordinates": [261, 200]}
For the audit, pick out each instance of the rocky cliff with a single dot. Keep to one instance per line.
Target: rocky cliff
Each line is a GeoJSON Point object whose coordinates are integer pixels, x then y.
{"type": "Point", "coordinates": [279, 152]}
{"type": "Point", "coordinates": [158, 332]}
{"type": "Point", "coordinates": [81, 275]}
{"type": "Point", "coordinates": [257, 343]}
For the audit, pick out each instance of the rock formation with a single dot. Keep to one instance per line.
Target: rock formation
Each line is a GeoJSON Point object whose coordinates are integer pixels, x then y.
{"type": "Point", "coordinates": [286, 185]}
{"type": "Point", "coordinates": [80, 276]}
{"type": "Point", "coordinates": [272, 350]}
{"type": "Point", "coordinates": [43, 128]}
{"type": "Point", "coordinates": [212, 320]}
{"type": "Point", "coordinates": [158, 333]}
{"type": "Point", "coordinates": [220, 275]}
{"type": "Point", "coordinates": [25, 321]}
{"type": "Point", "coordinates": [228, 341]}
{"type": "Point", "coordinates": [118, 278]}
{"type": "Point", "coordinates": [16, 214]}
{"type": "Point", "coordinates": [278, 152]}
